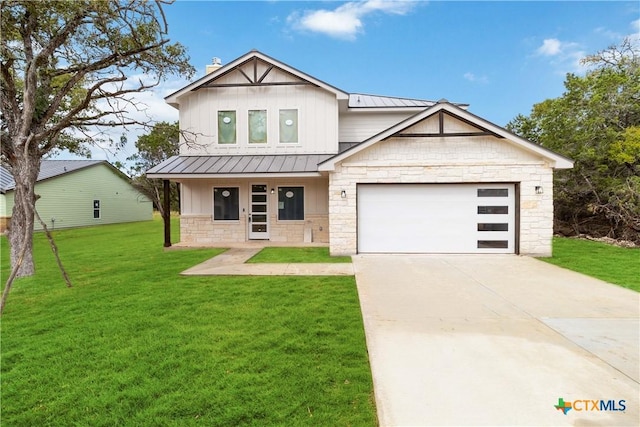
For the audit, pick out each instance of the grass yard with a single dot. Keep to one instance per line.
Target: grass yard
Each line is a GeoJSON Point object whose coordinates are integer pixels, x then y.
{"type": "Point", "coordinates": [609, 263]}
{"type": "Point", "coordinates": [304, 254]}
{"type": "Point", "coordinates": [134, 343]}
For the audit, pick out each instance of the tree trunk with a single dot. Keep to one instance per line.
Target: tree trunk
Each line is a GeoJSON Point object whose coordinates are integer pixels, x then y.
{"type": "Point", "coordinates": [25, 171]}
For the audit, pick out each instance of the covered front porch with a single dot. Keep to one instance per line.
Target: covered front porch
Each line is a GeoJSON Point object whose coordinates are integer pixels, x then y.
{"type": "Point", "coordinates": [254, 212]}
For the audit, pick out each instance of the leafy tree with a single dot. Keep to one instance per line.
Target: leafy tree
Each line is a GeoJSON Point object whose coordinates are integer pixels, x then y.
{"type": "Point", "coordinates": [155, 147]}
{"type": "Point", "coordinates": [65, 70]}
{"type": "Point", "coordinates": [596, 122]}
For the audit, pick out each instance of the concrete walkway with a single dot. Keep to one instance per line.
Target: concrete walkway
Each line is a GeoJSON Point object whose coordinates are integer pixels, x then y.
{"type": "Point", "coordinates": [496, 340]}
{"type": "Point", "coordinates": [233, 263]}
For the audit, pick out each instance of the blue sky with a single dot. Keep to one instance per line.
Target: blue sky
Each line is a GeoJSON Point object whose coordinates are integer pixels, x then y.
{"type": "Point", "coordinates": [499, 57]}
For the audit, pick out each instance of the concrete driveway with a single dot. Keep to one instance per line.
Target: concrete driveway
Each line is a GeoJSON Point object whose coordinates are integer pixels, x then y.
{"type": "Point", "coordinates": [497, 340]}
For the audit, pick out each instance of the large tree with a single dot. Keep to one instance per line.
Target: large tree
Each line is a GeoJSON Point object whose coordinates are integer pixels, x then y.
{"type": "Point", "coordinates": [66, 69]}
{"type": "Point", "coordinates": [596, 122]}
{"type": "Point", "coordinates": [154, 147]}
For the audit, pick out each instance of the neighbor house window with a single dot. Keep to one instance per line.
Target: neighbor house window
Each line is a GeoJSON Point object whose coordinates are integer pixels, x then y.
{"type": "Point", "coordinates": [96, 209]}
{"type": "Point", "coordinates": [226, 127]}
{"type": "Point", "coordinates": [291, 203]}
{"type": "Point", "coordinates": [288, 126]}
{"type": "Point", "coordinates": [257, 126]}
{"type": "Point", "coordinates": [226, 206]}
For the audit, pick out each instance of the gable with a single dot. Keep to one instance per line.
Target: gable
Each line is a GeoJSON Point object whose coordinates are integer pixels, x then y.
{"type": "Point", "coordinates": [445, 124]}
{"type": "Point", "coordinates": [442, 151]}
{"type": "Point", "coordinates": [447, 121]}
{"type": "Point", "coordinates": [255, 72]}
{"type": "Point", "coordinates": [254, 69]}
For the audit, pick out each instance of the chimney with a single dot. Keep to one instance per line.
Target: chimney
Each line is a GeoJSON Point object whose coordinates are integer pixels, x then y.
{"type": "Point", "coordinates": [216, 63]}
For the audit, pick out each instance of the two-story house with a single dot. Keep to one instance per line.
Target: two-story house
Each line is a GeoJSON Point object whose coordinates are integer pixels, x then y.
{"type": "Point", "coordinates": [272, 153]}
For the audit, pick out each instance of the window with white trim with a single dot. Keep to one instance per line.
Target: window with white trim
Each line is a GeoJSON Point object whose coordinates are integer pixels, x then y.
{"type": "Point", "coordinates": [288, 126]}
{"type": "Point", "coordinates": [226, 127]}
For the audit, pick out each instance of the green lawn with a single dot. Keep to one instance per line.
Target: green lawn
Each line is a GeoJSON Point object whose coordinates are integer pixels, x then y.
{"type": "Point", "coordinates": [609, 263]}
{"type": "Point", "coordinates": [295, 255]}
{"type": "Point", "coordinates": [133, 343]}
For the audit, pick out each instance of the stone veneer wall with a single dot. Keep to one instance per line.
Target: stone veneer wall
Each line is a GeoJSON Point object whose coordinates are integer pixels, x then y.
{"type": "Point", "coordinates": [202, 230]}
{"type": "Point", "coordinates": [293, 231]}
{"type": "Point", "coordinates": [444, 160]}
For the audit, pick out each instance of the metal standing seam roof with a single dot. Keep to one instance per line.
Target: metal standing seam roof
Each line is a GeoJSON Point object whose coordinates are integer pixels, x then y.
{"type": "Point", "coordinates": [361, 100]}
{"type": "Point", "coordinates": [48, 169]}
{"type": "Point", "coordinates": [239, 164]}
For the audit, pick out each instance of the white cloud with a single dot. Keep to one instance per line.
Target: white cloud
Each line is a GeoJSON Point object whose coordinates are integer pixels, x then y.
{"type": "Point", "coordinates": [476, 79]}
{"type": "Point", "coordinates": [345, 21]}
{"type": "Point", "coordinates": [635, 25]}
{"type": "Point", "coordinates": [564, 56]}
{"type": "Point", "coordinates": [550, 47]}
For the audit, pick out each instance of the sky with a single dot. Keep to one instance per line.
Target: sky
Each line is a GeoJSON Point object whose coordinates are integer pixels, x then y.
{"type": "Point", "coordinates": [501, 57]}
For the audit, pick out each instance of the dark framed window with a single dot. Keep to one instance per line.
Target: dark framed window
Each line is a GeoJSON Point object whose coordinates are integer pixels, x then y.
{"type": "Point", "coordinates": [226, 127]}
{"type": "Point", "coordinates": [96, 209]}
{"type": "Point", "coordinates": [226, 205]}
{"type": "Point", "coordinates": [291, 203]}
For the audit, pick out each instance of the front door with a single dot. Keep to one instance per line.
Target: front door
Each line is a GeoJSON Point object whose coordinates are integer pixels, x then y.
{"type": "Point", "coordinates": [258, 212]}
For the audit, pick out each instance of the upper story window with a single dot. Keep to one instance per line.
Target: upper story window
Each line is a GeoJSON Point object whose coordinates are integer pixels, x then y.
{"type": "Point", "coordinates": [288, 126]}
{"type": "Point", "coordinates": [257, 126]}
{"type": "Point", "coordinates": [226, 127]}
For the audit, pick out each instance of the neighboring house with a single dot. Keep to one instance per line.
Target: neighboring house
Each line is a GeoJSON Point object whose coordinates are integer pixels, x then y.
{"type": "Point", "coordinates": [76, 193]}
{"type": "Point", "coordinates": [272, 153]}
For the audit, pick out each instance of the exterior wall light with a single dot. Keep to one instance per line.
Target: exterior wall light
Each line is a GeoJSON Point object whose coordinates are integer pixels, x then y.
{"type": "Point", "coordinates": [343, 194]}
{"type": "Point", "coordinates": [539, 189]}
{"type": "Point", "coordinates": [273, 191]}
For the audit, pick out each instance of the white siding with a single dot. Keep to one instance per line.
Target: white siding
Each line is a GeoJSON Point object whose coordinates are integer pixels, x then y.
{"type": "Point", "coordinates": [359, 126]}
{"type": "Point", "coordinates": [317, 119]}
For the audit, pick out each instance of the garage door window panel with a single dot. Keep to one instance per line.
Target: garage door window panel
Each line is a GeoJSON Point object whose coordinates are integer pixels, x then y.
{"type": "Point", "coordinates": [493, 210]}
{"type": "Point", "coordinates": [493, 244]}
{"type": "Point", "coordinates": [493, 192]}
{"type": "Point", "coordinates": [482, 226]}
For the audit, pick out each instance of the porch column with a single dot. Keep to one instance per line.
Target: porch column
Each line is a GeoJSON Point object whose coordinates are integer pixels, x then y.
{"type": "Point", "coordinates": [167, 216]}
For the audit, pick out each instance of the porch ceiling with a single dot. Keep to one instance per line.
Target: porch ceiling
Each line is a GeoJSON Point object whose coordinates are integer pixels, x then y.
{"type": "Point", "coordinates": [238, 165]}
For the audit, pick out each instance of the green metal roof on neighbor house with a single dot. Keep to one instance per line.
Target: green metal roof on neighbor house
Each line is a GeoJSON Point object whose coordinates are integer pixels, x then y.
{"type": "Point", "coordinates": [48, 169]}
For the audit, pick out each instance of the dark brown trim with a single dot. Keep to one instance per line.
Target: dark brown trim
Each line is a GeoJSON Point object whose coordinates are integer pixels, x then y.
{"type": "Point", "coordinates": [516, 219]}
{"type": "Point", "coordinates": [241, 72]}
{"type": "Point", "coordinates": [262, 77]}
{"type": "Point", "coordinates": [257, 84]}
{"type": "Point", "coordinates": [441, 135]}
{"type": "Point", "coordinates": [167, 213]}
{"type": "Point", "coordinates": [463, 120]}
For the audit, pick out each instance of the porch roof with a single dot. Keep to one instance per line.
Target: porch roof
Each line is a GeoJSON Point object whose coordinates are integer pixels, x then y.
{"type": "Point", "coordinates": [238, 166]}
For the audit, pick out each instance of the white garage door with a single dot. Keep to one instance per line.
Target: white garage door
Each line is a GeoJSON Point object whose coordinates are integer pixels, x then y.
{"type": "Point", "coordinates": [436, 218]}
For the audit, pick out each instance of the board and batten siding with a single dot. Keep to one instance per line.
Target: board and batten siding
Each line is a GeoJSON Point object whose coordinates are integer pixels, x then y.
{"type": "Point", "coordinates": [69, 199]}
{"type": "Point", "coordinates": [196, 195]}
{"type": "Point", "coordinates": [317, 120]}
{"type": "Point", "coordinates": [358, 126]}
